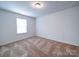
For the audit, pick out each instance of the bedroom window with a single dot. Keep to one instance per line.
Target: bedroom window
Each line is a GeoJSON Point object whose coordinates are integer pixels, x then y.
{"type": "Point", "coordinates": [21, 25]}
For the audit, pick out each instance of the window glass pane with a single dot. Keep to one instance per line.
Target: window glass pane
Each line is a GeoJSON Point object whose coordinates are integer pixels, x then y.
{"type": "Point", "coordinates": [21, 25]}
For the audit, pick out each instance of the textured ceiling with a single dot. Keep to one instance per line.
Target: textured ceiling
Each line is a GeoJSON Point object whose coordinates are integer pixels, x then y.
{"type": "Point", "coordinates": [25, 7]}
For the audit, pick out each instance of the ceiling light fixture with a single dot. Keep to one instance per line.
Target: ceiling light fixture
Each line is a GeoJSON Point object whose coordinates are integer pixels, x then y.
{"type": "Point", "coordinates": [37, 5]}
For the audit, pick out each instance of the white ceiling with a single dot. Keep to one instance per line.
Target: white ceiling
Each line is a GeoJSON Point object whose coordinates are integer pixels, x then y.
{"type": "Point", "coordinates": [25, 7]}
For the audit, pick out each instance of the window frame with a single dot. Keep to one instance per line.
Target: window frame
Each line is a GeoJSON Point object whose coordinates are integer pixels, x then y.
{"type": "Point", "coordinates": [17, 26]}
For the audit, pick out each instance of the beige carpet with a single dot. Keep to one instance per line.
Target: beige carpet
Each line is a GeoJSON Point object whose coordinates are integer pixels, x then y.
{"type": "Point", "coordinates": [38, 47]}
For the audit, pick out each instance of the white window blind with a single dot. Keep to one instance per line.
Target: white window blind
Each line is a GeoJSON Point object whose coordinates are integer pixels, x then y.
{"type": "Point", "coordinates": [21, 25]}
